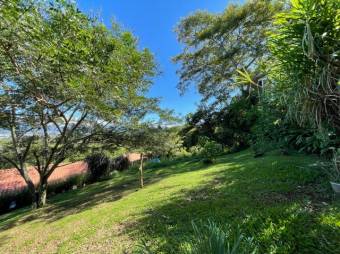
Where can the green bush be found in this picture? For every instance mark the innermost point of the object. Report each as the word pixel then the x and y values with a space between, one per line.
pixel 319 141
pixel 213 239
pixel 229 125
pixel 195 150
pixel 274 131
pixel 209 150
pixel 210 238
pixel 99 166
pixel 304 44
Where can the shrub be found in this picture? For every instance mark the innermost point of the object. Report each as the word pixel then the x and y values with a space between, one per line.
pixel 273 131
pixel 209 150
pixel 120 163
pixel 320 141
pixel 182 153
pixel 304 43
pixel 213 239
pixel 99 166
pixel 209 238
pixel 195 150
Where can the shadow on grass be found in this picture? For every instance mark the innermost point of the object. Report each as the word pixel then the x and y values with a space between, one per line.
pixel 273 199
pixel 76 201
pixel 279 204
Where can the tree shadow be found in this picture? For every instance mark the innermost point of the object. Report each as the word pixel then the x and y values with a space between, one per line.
pixel 76 201
pixel 4 239
pixel 280 206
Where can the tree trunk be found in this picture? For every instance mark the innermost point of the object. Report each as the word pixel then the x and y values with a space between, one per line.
pixel 141 171
pixel 30 185
pixel 41 194
pixel 31 189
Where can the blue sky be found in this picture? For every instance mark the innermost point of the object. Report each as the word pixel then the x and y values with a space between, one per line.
pixel 153 22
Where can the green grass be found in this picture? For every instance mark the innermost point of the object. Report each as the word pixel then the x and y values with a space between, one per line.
pixel 284 202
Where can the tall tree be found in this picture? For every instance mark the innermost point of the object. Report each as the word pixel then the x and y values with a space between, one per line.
pixel 63 76
pixel 229 125
pixel 216 46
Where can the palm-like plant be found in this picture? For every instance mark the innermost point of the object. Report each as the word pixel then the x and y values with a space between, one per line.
pixel 305 45
pixel 211 238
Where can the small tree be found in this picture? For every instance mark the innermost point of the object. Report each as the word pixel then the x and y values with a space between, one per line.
pixel 149 140
pixel 209 149
pixel 63 78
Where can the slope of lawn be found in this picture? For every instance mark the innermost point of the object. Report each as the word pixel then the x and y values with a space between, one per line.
pixel 284 202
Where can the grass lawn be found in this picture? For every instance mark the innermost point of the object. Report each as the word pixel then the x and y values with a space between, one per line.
pixel 284 202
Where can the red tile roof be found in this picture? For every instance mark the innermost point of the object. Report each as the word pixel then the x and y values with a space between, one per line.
pixel 132 157
pixel 11 180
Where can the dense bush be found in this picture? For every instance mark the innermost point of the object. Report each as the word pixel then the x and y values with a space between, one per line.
pixel 210 238
pixel 319 141
pixel 120 163
pixel 273 130
pixel 99 166
pixel 70 183
pixel 304 45
pixel 229 125
pixel 209 150
pixel 213 239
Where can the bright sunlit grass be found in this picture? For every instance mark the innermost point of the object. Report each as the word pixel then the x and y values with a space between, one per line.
pixel 284 202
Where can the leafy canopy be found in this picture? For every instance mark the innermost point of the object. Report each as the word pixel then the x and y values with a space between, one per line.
pixel 53 52
pixel 63 78
pixel 216 46
pixel 305 69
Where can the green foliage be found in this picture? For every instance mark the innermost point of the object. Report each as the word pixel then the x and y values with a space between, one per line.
pixel 213 239
pixel 209 149
pixel 320 141
pixel 195 150
pixel 229 125
pixel 64 78
pixel 305 69
pixel 274 131
pixel 4 145
pixel 284 202
pixel 217 45
pixel 68 56
pixel 266 133
pixel 99 165
pixel 148 138
pixel 22 198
